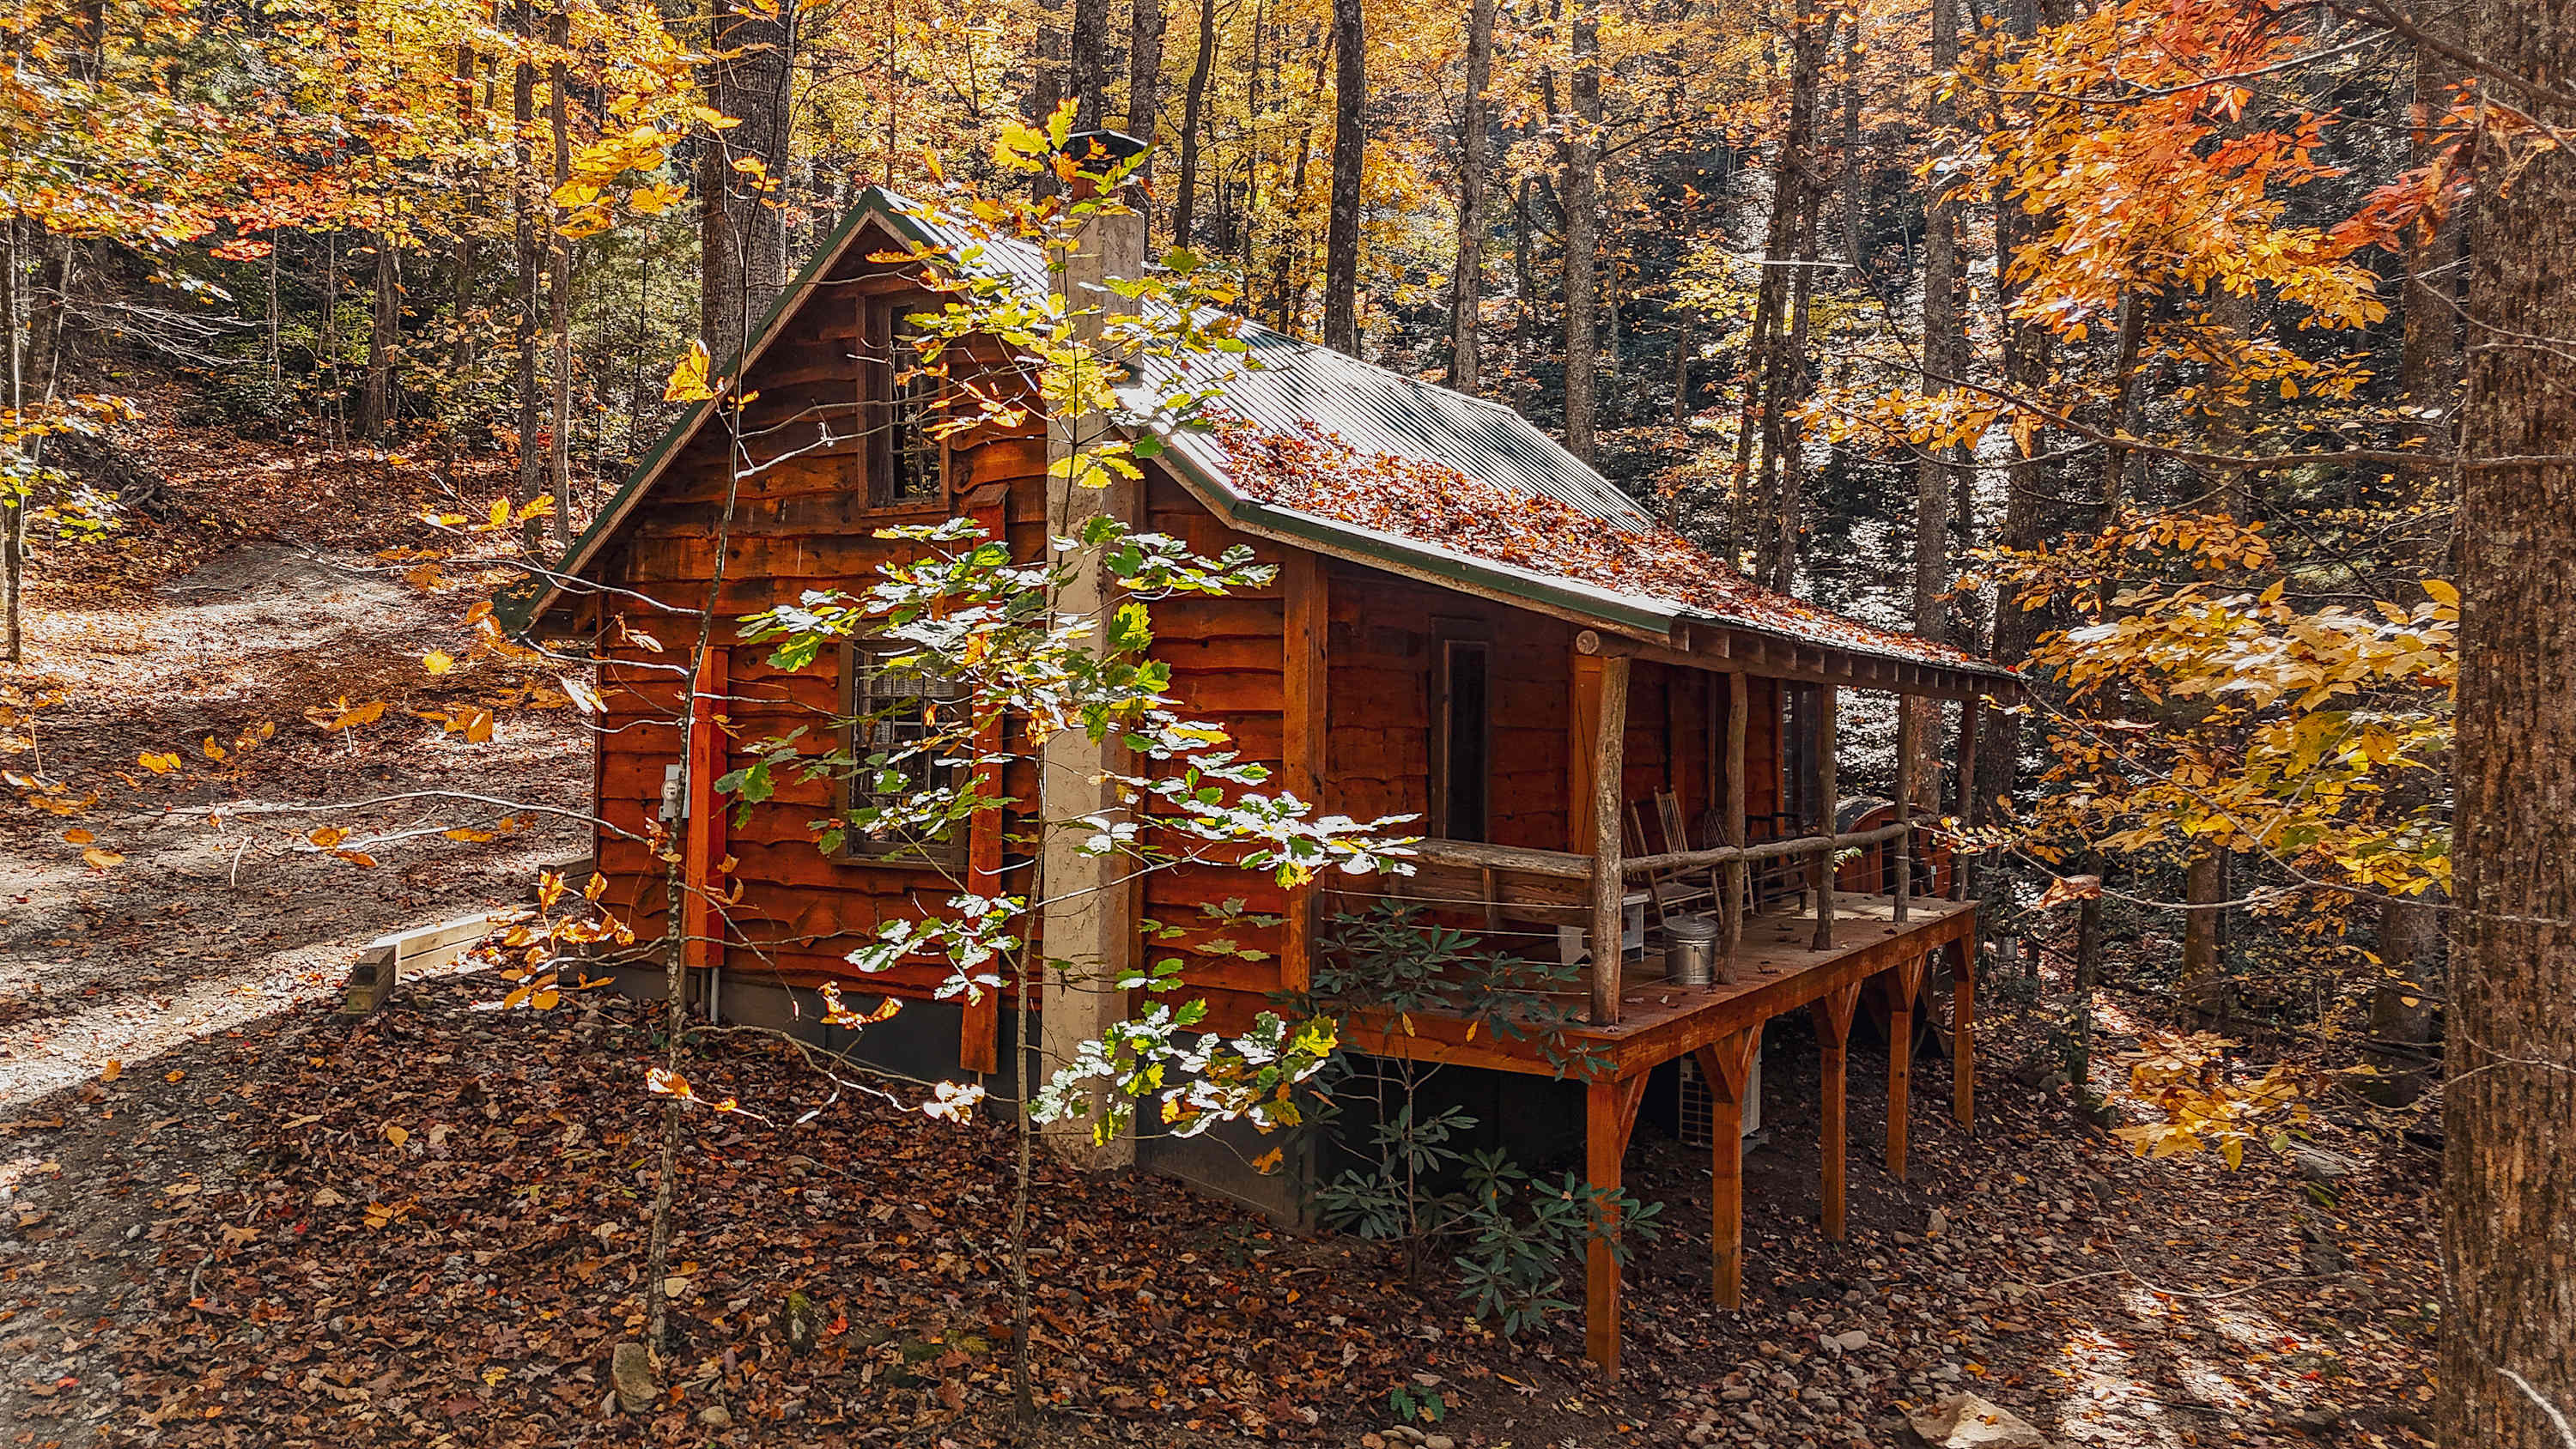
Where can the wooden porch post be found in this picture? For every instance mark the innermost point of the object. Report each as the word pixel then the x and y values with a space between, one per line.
pixel 1903 984
pixel 1828 811
pixel 1833 1013
pixel 1609 1114
pixel 1903 888
pixel 1609 883
pixel 1303 731
pixel 1725 1066
pixel 1735 874
pixel 1963 1030
pixel 703 839
pixel 1967 792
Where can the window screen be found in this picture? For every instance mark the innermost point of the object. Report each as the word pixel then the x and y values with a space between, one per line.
pixel 892 713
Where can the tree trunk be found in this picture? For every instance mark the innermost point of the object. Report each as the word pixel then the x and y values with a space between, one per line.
pixel 524 324
pixel 1945 355
pixel 1090 64
pixel 559 285
pixel 334 389
pixel 1467 278
pixel 1193 102
pixel 1524 278
pixel 1342 228
pixel 1580 152
pixel 2204 884
pixel 2508 1372
pixel 13 508
pixel 742 233
pixel 460 363
pixel 376 410
pixel 2401 1002
pixel 1145 79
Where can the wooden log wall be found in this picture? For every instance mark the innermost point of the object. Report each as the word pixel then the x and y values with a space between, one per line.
pixel 799 519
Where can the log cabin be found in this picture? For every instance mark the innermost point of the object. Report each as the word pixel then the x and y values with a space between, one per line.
pixel 1467 625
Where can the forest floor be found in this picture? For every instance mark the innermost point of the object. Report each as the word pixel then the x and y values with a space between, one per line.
pixel 227 1217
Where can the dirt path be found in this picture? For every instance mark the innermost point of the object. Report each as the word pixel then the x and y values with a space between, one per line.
pixel 120 983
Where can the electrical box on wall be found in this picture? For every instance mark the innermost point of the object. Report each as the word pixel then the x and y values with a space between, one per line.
pixel 675 801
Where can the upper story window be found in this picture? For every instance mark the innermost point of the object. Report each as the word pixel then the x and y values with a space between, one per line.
pixel 907 460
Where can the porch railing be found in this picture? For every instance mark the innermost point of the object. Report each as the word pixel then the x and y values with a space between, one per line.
pixel 1553 886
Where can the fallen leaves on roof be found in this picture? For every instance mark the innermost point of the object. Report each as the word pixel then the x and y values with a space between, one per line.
pixel 1318 472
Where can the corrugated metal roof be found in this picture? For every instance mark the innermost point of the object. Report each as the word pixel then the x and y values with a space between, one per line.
pixel 1291 386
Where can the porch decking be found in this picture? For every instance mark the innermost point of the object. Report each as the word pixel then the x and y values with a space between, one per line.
pixel 1874 959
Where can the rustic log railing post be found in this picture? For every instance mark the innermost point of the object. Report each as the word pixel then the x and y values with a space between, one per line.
pixel 1302 734
pixel 1609 882
pixel 1903 886
pixel 1737 874
pixel 1828 811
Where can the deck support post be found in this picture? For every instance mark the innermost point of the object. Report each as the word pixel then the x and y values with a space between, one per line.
pixel 1828 810
pixel 1303 732
pixel 1609 1115
pixel 1902 888
pixel 1735 875
pixel 1963 1030
pixel 1609 883
pixel 1904 984
pixel 1833 1014
pixel 1726 1065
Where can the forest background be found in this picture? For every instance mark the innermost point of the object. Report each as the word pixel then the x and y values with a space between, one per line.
pixel 2130 344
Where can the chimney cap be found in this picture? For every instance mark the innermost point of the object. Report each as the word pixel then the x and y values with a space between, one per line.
pixel 1102 151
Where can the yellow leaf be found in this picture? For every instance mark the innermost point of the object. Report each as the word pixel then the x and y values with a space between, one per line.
pixel 161 764
pixel 328 836
pixel 689 380
pixel 102 859
pixel 397 1135
pixel 213 751
pixel 2440 592
pixel 500 517
pixel 437 661
pixel 113 1070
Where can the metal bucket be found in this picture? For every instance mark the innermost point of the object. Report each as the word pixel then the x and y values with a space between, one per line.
pixel 1690 950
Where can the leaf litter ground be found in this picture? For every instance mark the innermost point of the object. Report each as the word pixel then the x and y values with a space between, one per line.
pixel 227 1218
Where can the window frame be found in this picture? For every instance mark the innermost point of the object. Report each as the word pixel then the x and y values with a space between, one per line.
pixel 856 707
pixel 880 327
pixel 1448 636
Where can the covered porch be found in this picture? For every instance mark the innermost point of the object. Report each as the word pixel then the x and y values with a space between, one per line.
pixel 1827 917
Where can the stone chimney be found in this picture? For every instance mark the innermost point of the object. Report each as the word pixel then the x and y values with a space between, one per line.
pixel 1089 918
